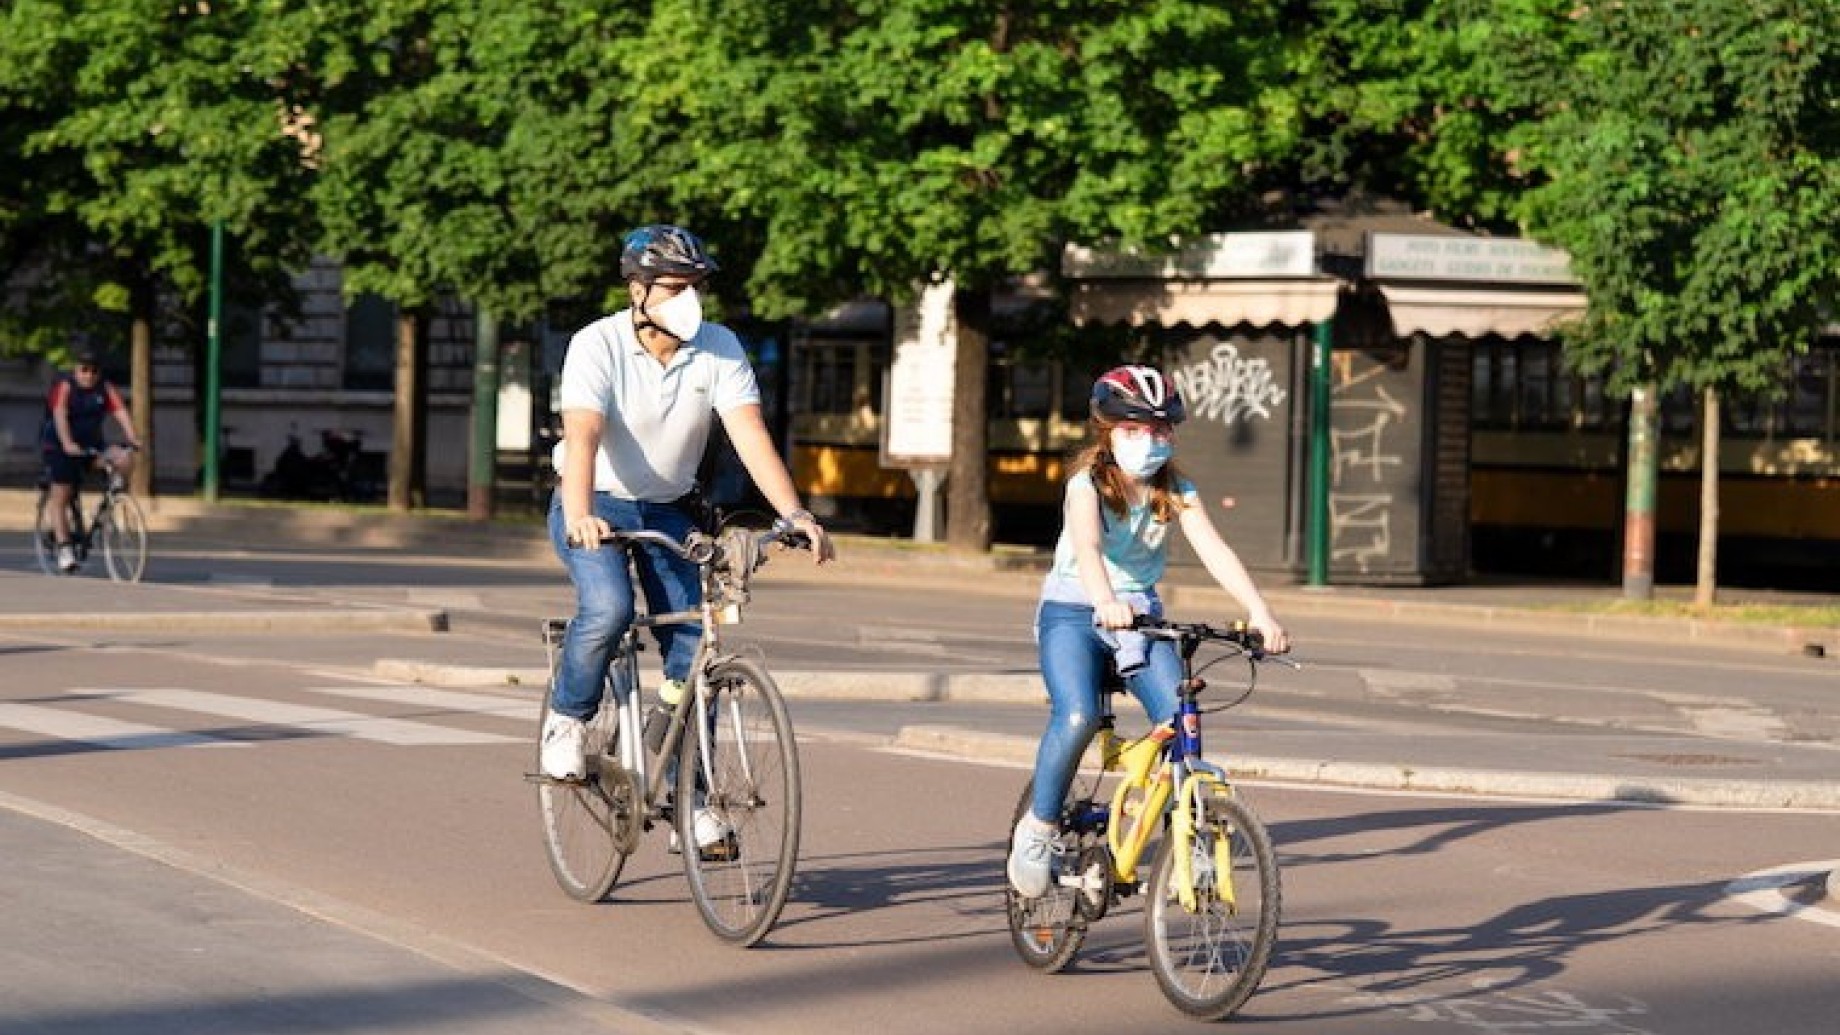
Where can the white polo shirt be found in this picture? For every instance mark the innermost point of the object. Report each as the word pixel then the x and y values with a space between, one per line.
pixel 657 416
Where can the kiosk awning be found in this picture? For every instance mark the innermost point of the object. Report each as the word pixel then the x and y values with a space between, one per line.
pixel 1199 303
pixel 1476 313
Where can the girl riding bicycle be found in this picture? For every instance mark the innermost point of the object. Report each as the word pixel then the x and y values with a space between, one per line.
pixel 1120 500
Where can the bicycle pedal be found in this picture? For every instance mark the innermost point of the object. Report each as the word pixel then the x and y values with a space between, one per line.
pixel 580 781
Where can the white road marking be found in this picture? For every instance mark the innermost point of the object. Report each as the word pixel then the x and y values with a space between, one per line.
pixel 320 720
pixel 1763 891
pixel 445 700
pixel 65 724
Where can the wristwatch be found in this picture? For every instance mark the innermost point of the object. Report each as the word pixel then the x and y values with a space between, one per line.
pixel 800 514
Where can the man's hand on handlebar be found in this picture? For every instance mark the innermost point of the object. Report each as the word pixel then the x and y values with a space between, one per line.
pixel 801 522
pixel 587 531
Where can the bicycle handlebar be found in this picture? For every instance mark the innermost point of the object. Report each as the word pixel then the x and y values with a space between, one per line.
pixel 701 548
pixel 1239 634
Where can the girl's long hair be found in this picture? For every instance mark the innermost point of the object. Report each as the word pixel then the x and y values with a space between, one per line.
pixel 1096 457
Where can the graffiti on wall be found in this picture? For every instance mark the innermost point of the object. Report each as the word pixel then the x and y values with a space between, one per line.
pixel 1364 446
pixel 1227 388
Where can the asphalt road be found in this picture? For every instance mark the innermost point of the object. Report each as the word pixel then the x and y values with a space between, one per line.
pixel 256 831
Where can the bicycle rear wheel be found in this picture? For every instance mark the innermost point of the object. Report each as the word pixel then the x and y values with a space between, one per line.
pixel 585 824
pixel 1211 959
pixel 1047 932
pixel 740 770
pixel 122 531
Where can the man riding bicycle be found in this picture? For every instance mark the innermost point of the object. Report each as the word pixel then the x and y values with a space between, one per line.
pixel 71 439
pixel 640 392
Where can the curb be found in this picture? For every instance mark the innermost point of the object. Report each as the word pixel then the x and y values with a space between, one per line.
pixel 994 747
pixel 235 621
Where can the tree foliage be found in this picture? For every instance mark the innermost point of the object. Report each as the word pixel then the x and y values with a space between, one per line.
pixel 1691 153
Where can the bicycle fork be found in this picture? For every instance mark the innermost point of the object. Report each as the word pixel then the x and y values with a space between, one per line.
pixel 1190 805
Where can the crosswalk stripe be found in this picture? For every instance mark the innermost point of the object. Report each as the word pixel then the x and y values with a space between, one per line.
pixel 524 711
pixel 96 729
pixel 322 720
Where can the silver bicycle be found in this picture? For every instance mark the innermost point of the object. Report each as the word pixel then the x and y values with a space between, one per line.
pixel 737 764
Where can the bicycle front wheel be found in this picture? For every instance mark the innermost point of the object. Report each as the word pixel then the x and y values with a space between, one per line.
pixel 583 822
pixel 739 769
pixel 1210 959
pixel 122 531
pixel 44 538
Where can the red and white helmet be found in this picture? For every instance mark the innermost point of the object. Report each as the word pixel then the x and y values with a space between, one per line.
pixel 1137 393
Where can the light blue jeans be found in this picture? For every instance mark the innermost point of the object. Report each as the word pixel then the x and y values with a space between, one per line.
pixel 1074 659
pixel 604 601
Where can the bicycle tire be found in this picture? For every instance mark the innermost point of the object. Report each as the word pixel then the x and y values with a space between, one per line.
pixel 740 885
pixel 582 821
pixel 122 528
pixel 1048 932
pixel 1211 960
pixel 44 539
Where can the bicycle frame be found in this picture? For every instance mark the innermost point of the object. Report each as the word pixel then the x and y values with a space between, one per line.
pixel 1166 762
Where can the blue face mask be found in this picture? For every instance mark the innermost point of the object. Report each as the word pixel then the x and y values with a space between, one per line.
pixel 1140 456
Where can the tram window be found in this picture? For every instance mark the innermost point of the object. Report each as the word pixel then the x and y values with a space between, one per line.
pixel 826 379
pixel 1536 381
pixel 1807 403
pixel 1481 384
pixel 1028 391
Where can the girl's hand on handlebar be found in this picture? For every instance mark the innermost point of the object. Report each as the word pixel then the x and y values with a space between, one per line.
pixel 1277 641
pixel 1114 614
pixel 587 531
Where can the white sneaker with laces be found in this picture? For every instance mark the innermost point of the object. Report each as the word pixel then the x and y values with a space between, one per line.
pixel 564 739
pixel 1031 856
pixel 66 557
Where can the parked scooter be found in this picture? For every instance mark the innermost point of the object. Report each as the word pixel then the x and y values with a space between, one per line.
pixel 326 475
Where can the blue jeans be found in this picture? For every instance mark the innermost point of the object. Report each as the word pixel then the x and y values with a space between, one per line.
pixel 604 603
pixel 1074 658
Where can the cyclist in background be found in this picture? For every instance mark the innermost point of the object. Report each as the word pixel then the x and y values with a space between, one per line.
pixel 76 409
pixel 640 391
pixel 1120 500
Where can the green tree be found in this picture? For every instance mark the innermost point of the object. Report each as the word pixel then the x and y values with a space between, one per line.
pixel 1692 158
pixel 468 151
pixel 877 144
pixel 148 126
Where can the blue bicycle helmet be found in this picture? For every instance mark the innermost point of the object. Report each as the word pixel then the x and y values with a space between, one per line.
pixel 663 250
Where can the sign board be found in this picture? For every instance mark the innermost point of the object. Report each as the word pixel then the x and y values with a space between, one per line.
pixel 1495 260
pixel 1251 256
pixel 917 403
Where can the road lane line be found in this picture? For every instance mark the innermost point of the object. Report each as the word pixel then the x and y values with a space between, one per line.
pixel 523 710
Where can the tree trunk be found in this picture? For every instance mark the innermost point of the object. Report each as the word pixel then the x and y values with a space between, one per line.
pixel 1706 587
pixel 407 449
pixel 1639 504
pixel 140 383
pixel 968 481
pixel 482 468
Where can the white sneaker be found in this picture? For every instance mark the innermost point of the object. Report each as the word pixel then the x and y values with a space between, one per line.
pixel 714 838
pixel 66 557
pixel 564 739
pixel 1031 857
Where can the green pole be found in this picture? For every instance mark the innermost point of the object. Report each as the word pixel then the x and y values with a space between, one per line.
pixel 213 358
pixel 1318 521
pixel 482 469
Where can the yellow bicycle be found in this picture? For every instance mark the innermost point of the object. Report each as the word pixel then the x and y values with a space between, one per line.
pixel 1212 899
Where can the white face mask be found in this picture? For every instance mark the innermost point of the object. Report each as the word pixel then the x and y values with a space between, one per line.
pixel 680 316
pixel 1140 456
